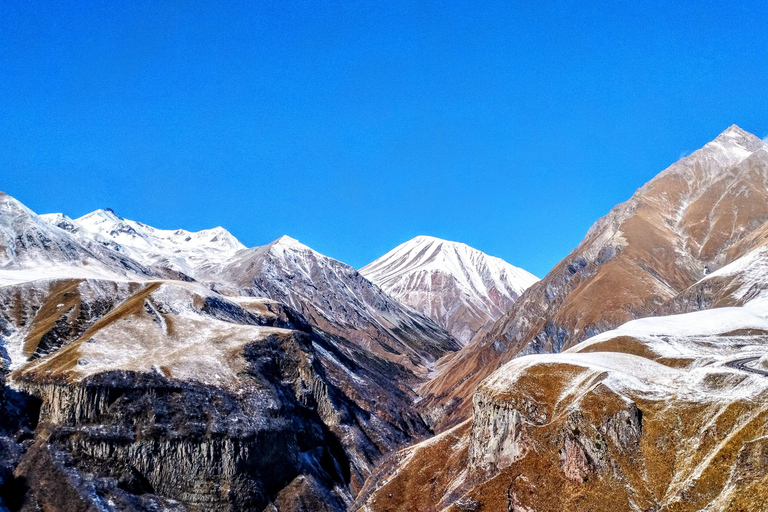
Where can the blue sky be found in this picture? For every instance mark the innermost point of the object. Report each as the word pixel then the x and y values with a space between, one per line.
pixel 354 126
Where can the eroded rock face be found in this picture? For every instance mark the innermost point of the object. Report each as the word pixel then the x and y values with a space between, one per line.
pixel 206 447
pixel 505 428
pixel 654 422
pixel 168 391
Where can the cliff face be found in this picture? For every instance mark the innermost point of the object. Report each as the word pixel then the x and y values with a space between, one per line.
pixel 207 448
pixel 164 390
pixel 653 416
pixel 671 233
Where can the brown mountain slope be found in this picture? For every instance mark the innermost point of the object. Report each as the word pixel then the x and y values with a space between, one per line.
pixel 667 236
pixel 655 415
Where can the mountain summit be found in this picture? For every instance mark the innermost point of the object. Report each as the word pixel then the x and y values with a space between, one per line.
pixel 460 288
pixel 178 250
pixel 673 231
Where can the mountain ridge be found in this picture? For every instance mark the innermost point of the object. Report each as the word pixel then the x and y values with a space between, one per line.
pixel 458 286
pixel 643 253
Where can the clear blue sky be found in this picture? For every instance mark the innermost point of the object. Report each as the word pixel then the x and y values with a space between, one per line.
pixel 354 126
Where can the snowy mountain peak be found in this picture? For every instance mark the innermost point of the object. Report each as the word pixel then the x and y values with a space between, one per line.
pixel 287 241
pixel 61 221
pixel 742 137
pixel 179 250
pixel 101 216
pixel 136 234
pixel 459 287
pixel 734 144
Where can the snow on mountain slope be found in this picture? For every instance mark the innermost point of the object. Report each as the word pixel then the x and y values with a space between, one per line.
pixel 30 248
pixel 180 250
pixel 338 299
pixel 460 288
pixel 662 413
pixel 672 232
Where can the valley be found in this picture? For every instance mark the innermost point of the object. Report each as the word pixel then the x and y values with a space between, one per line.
pixel 148 369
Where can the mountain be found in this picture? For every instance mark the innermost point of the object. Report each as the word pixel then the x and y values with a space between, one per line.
pixel 117 370
pixel 331 295
pixel 160 390
pixel 460 288
pixel 663 413
pixel 672 232
pixel 338 300
pixel 29 246
pixel 178 250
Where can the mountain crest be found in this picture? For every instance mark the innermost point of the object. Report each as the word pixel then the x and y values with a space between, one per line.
pixel 737 136
pixel 457 286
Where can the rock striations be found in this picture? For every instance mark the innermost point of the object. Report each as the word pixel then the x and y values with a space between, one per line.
pixel 460 288
pixel 671 233
pixel 149 370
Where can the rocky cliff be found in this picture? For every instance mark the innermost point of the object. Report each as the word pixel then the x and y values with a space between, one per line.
pixel 653 416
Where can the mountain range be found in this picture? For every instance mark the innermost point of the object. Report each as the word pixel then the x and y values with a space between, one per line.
pixel 150 369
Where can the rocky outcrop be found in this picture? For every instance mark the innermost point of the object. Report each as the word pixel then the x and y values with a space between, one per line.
pixel 652 420
pixel 206 447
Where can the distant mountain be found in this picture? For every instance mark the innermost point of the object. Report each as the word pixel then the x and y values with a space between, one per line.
pixel 671 233
pixel 178 250
pixel 339 300
pixel 460 288
pixel 29 244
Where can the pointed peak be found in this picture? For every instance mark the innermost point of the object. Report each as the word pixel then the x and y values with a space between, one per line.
pixel 428 240
pixel 61 221
pixel 287 241
pixel 103 214
pixel 734 136
pixel 442 244
pixel 425 239
pixel 735 130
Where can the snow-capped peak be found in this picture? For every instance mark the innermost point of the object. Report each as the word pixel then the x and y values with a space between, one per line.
pixel 179 249
pixel 141 236
pixel 734 145
pixel 456 285
pixel 287 241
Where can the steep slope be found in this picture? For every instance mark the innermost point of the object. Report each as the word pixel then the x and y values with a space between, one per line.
pixel 667 236
pixel 179 250
pixel 338 300
pixel 133 369
pixel 660 414
pixel 138 378
pixel 31 245
pixel 460 288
